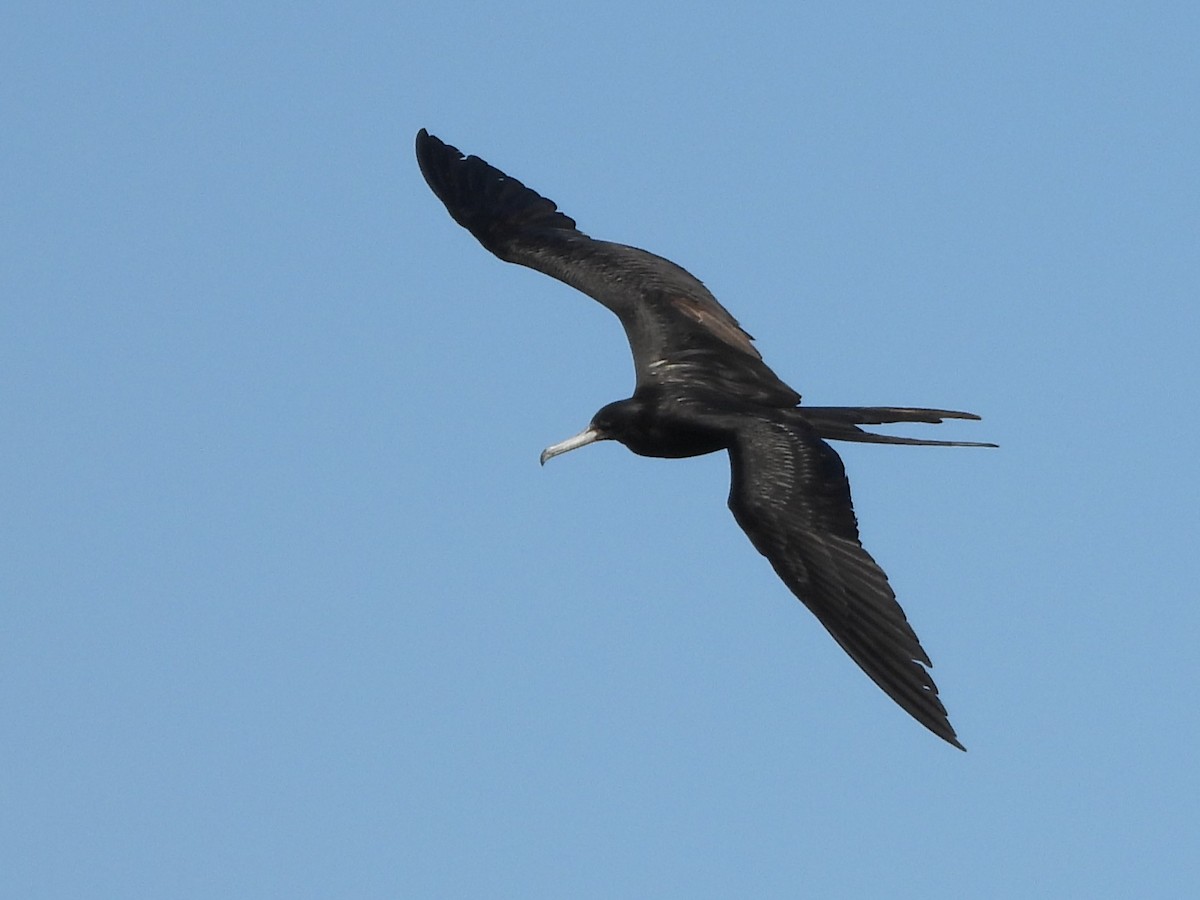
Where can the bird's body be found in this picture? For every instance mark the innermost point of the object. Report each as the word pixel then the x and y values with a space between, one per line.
pixel 702 387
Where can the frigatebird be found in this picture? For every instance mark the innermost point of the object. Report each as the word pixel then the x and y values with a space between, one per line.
pixel 702 386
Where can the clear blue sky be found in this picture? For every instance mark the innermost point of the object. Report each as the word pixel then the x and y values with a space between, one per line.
pixel 289 608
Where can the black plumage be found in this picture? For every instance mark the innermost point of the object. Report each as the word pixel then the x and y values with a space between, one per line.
pixel 701 387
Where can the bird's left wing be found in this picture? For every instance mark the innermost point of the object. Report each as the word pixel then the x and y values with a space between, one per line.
pixel 791 496
pixel 675 327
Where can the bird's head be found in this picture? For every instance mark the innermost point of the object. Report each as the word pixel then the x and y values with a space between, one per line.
pixel 619 421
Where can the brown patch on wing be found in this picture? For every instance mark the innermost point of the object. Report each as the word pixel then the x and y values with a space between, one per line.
pixel 717 322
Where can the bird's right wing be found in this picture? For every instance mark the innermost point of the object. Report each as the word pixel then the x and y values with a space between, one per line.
pixel 791 497
pixel 676 328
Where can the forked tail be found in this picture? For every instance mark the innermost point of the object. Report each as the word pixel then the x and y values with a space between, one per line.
pixel 840 423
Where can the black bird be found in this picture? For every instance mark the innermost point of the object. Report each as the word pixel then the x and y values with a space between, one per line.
pixel 702 387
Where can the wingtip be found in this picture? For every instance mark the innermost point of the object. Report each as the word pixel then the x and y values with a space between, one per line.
pixel 432 151
pixel 495 207
pixel 427 145
pixel 938 724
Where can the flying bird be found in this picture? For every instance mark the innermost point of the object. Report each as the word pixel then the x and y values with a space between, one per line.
pixel 702 386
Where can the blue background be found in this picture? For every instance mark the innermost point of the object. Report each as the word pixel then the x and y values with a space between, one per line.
pixel 290 609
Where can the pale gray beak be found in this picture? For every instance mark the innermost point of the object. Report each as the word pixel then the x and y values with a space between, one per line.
pixel 589 435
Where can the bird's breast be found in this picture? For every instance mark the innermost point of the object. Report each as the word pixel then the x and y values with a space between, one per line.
pixel 674 431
